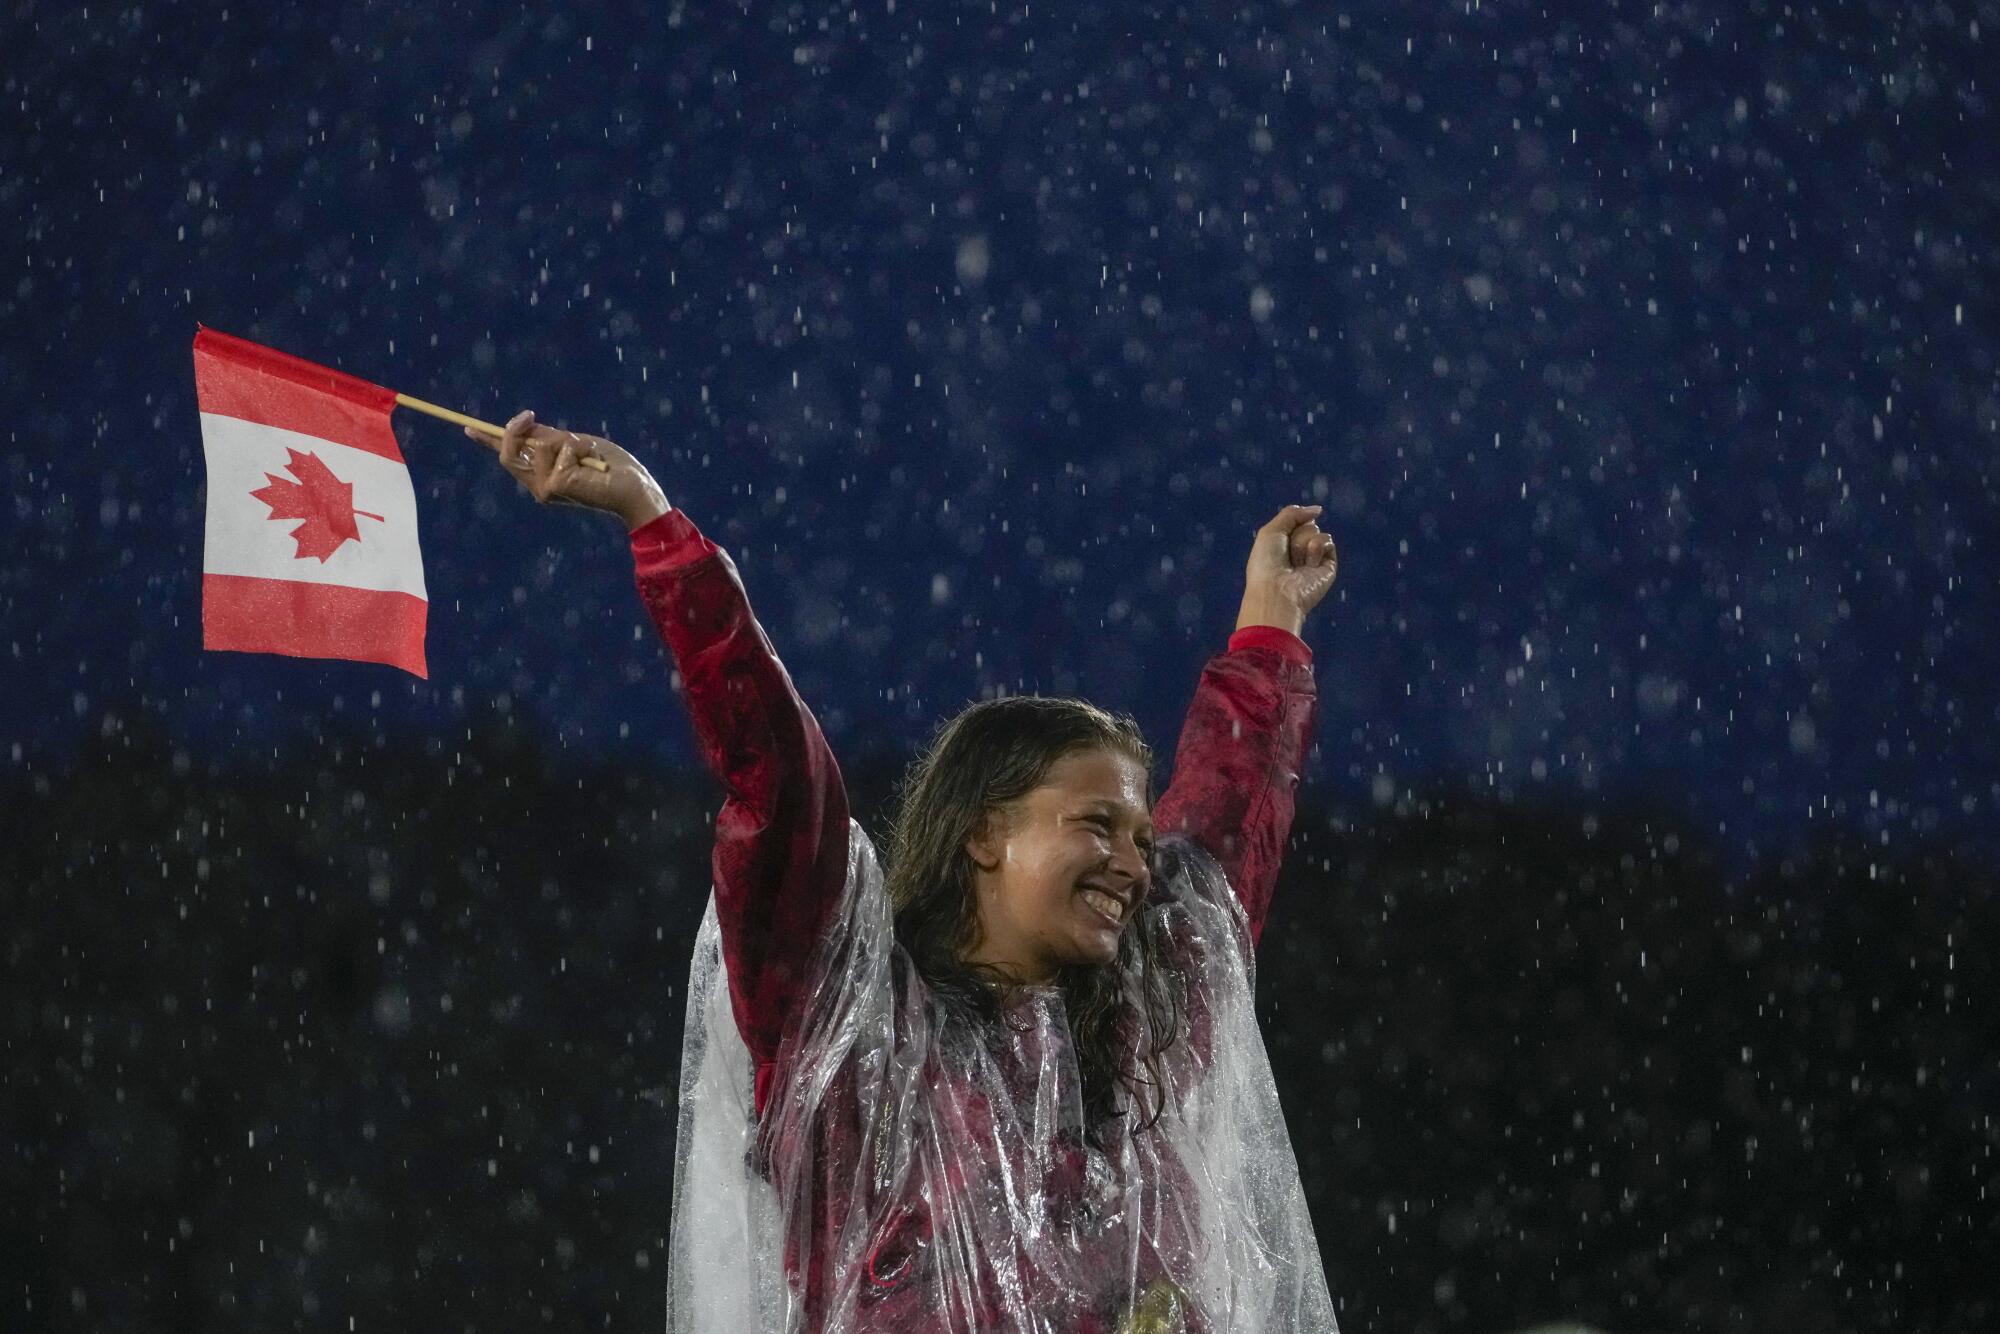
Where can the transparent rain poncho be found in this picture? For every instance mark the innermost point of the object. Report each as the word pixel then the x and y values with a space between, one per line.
pixel 916 1170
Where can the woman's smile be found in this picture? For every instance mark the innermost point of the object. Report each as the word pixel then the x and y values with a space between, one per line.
pixel 1104 906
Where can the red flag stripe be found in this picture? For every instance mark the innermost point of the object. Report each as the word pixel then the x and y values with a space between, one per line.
pixel 304 620
pixel 234 377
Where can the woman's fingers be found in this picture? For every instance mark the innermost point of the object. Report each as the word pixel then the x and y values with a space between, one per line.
pixel 527 450
pixel 557 476
pixel 561 466
pixel 580 473
pixel 1316 561
pixel 1307 541
pixel 1277 546
pixel 1292 565
pixel 1291 516
pixel 564 467
pixel 569 480
pixel 516 441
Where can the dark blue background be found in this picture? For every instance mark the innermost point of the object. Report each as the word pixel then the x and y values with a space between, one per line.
pixel 1645 363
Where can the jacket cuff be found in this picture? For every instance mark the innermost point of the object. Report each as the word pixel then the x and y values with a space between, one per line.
pixel 667 543
pixel 1283 642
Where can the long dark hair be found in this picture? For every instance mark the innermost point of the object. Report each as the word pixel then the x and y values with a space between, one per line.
pixel 989 756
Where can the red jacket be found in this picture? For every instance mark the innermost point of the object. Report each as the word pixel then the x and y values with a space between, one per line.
pixel 780 859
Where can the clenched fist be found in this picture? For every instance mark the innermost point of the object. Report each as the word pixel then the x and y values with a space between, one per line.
pixel 1292 565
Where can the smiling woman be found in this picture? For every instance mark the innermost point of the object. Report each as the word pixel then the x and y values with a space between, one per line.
pixel 1058 872
pixel 1021 852
pixel 1016 1084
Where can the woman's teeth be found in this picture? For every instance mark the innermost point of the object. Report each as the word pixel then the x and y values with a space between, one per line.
pixel 1105 904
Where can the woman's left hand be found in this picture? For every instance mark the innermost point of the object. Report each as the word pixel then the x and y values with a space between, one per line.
pixel 1292 565
pixel 561 467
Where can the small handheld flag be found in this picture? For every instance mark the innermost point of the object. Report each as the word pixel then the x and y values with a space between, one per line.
pixel 311 540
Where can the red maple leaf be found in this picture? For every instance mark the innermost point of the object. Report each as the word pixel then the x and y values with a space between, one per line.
pixel 324 501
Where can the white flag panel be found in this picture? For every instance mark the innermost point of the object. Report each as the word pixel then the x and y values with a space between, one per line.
pixel 244 539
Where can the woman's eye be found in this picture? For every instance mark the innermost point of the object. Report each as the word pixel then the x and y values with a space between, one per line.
pixel 1104 826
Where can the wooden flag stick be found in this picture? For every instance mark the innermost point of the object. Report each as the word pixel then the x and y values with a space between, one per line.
pixel 446 414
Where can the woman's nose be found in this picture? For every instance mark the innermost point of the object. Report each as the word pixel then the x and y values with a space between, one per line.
pixel 1131 859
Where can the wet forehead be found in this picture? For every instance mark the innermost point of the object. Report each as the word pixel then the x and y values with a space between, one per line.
pixel 1099 778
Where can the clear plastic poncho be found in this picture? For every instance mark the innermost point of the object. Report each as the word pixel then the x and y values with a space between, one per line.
pixel 920 1171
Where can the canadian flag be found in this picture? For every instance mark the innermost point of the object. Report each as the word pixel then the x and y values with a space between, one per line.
pixel 311 545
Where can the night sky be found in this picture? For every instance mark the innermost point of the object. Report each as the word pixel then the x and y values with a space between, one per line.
pixel 1645 364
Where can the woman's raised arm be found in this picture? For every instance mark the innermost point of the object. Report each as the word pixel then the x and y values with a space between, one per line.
pixel 1236 769
pixel 780 858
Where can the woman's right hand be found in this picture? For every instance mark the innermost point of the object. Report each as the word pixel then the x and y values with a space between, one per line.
pixel 549 462
pixel 1292 565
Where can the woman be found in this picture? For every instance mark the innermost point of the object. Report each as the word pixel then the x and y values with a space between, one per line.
pixel 1015 1083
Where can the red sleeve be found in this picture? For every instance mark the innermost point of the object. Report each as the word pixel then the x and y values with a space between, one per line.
pixel 781 837
pixel 1236 770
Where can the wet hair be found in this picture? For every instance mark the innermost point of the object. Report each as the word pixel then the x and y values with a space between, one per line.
pixel 977 764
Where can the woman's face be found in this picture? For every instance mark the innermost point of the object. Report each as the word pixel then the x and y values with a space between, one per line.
pixel 1060 872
